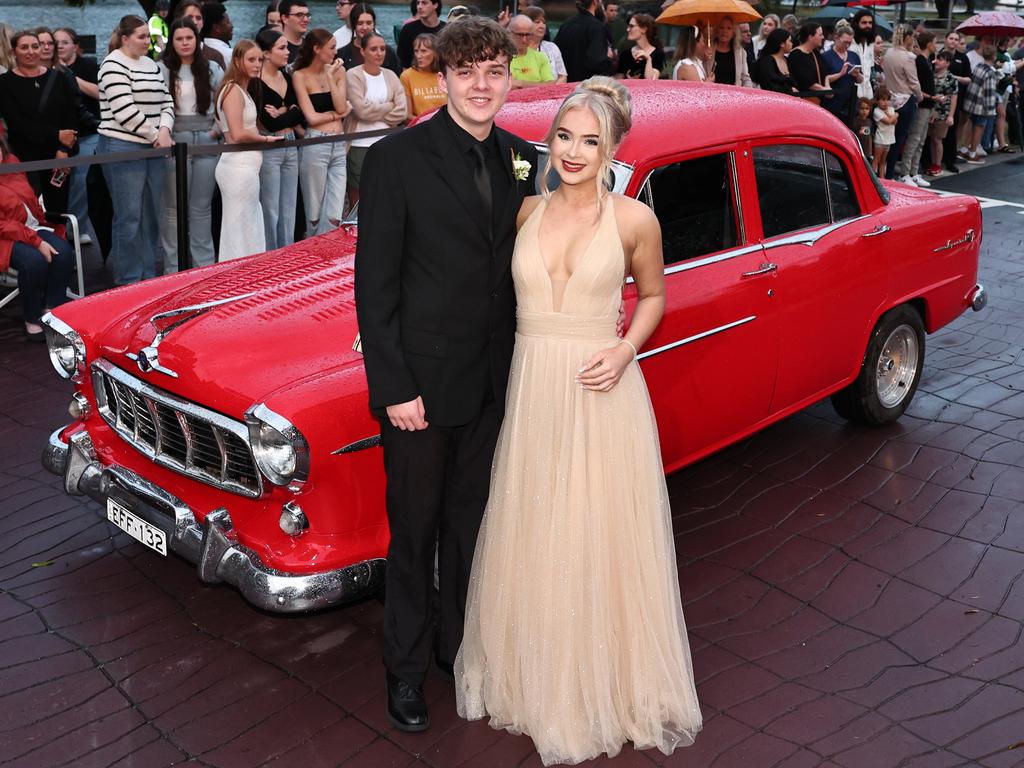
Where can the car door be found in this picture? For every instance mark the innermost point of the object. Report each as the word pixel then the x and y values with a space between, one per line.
pixel 711 363
pixel 831 277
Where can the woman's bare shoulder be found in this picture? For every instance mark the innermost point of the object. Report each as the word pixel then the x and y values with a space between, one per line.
pixel 527 208
pixel 633 216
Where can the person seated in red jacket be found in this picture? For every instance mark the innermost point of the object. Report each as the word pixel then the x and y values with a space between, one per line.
pixel 33 247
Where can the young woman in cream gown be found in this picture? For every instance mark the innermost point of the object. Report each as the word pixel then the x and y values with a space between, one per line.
pixel 574 625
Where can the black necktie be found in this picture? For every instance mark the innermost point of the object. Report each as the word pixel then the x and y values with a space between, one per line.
pixel 482 179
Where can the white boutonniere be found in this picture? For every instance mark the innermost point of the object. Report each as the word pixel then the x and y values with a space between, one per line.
pixel 520 168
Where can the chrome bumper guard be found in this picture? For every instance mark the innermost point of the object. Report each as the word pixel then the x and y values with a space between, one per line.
pixel 210 544
pixel 979 298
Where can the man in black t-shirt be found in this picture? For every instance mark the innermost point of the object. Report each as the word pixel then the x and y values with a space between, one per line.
pixel 427 21
pixel 294 23
pixel 960 68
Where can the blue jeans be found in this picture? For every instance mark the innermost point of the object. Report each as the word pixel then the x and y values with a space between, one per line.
pixel 42 284
pixel 906 115
pixel 988 136
pixel 279 184
pixel 78 201
pixel 200 195
pixel 135 187
pixel 322 173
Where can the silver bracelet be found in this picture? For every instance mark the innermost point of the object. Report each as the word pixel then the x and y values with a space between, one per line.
pixel 627 341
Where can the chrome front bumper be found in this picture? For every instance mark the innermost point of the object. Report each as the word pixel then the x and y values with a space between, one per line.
pixel 211 544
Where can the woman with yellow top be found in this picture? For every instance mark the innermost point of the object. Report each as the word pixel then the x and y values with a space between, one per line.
pixel 420 80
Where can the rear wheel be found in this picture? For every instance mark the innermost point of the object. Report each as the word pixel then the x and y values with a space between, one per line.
pixel 890 373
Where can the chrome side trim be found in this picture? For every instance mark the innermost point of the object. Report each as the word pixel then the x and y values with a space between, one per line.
pixel 359 445
pixel 695 337
pixel 180 408
pixel 211 545
pixel 686 266
pixel 813 236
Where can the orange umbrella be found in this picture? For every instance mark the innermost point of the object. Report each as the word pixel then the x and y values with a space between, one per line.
pixel 692 13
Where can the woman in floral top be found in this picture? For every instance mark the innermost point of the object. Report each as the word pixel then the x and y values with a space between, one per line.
pixel 946 87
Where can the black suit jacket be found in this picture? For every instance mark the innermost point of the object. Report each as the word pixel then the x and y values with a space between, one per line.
pixel 434 292
pixel 583 41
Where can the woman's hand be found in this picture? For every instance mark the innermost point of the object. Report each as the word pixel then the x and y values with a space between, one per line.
pixel 336 70
pixel 67 137
pixel 47 251
pixel 163 139
pixel 602 371
pixel 275 111
pixel 61 154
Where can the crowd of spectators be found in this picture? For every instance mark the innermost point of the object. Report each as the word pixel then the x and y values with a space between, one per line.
pixel 916 104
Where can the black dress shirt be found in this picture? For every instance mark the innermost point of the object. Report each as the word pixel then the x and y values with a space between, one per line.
pixel 497 167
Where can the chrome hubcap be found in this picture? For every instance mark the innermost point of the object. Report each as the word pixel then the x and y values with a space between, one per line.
pixel 897 366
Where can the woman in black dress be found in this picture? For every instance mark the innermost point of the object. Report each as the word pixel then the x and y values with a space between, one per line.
pixel 643 58
pixel 41 112
pixel 772 66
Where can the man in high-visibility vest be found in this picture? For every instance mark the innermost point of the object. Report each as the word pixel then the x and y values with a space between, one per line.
pixel 158 28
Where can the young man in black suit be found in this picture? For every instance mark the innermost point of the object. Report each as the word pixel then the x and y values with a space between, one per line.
pixel 436 309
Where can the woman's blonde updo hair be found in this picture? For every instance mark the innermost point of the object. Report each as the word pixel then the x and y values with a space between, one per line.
pixel 609 101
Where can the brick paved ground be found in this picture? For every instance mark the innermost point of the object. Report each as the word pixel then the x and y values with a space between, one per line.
pixel 854 596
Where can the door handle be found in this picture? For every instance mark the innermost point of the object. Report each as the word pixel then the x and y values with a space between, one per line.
pixel 764 270
pixel 881 229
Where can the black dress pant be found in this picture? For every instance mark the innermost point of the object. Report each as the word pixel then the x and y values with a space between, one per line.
pixel 438 480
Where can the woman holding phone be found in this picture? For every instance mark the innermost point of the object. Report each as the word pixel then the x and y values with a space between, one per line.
pixel 844 87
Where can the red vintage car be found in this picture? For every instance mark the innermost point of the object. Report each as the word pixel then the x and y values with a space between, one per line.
pixel 221 413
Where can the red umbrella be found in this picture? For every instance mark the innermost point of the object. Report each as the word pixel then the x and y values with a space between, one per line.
pixel 994 23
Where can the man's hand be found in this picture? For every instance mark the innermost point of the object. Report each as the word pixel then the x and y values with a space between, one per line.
pixel 408 416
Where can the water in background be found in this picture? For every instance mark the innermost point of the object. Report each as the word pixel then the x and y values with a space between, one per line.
pixel 101 18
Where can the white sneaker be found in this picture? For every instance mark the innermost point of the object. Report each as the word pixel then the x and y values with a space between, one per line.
pixel 963 150
pixel 85 240
pixel 981 151
pixel 921 181
pixel 909 180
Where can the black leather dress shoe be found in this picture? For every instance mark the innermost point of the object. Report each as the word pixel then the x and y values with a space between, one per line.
pixel 952 169
pixel 407 709
pixel 36 337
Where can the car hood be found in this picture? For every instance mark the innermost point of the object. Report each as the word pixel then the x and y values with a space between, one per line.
pixel 285 316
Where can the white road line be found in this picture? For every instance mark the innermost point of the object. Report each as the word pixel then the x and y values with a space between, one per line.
pixel 986 202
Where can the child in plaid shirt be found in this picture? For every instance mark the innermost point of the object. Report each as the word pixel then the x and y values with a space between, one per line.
pixel 981 100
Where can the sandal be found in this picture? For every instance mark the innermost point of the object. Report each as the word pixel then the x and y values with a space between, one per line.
pixel 1006 149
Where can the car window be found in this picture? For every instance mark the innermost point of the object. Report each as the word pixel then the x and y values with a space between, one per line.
pixel 790 188
pixel 840 189
pixel 695 202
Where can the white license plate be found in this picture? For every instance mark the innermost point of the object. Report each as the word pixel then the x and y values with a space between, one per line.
pixel 137 528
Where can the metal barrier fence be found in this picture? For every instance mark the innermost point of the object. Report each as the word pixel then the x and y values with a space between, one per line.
pixel 181 152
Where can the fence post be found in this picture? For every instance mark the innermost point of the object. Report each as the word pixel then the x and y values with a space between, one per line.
pixel 181 203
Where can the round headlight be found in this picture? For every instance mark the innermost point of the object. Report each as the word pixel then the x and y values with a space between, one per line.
pixel 67 352
pixel 274 453
pixel 279 449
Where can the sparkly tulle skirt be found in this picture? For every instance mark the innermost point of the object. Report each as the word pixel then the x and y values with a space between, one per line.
pixel 574 625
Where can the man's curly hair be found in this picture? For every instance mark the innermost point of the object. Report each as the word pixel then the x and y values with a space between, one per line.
pixel 472 39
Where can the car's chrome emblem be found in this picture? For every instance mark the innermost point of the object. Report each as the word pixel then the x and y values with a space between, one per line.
pixel 148 358
pixel 950 244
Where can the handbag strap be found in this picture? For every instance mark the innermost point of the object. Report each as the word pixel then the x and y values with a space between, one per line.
pixel 47 90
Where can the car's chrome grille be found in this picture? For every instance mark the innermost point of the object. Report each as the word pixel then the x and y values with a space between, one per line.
pixel 175 433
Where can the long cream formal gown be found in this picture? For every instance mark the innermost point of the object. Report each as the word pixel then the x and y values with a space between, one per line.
pixel 574 623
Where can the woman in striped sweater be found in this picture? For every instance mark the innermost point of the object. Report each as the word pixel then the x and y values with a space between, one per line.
pixel 136 112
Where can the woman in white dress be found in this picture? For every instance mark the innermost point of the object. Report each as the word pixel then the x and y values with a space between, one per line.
pixel 574 627
pixel 694 59
pixel 238 173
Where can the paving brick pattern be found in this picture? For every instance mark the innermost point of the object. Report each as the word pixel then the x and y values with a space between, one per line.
pixel 854 599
